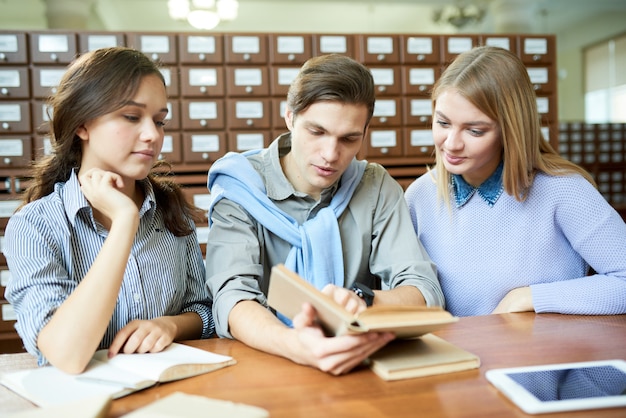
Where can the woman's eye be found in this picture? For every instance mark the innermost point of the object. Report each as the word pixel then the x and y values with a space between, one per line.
pixel 443 124
pixel 475 132
pixel 131 118
pixel 161 123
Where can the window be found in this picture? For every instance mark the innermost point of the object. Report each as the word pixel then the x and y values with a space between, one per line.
pixel 605 81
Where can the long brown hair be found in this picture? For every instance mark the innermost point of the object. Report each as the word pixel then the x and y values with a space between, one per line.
pixel 496 81
pixel 97 83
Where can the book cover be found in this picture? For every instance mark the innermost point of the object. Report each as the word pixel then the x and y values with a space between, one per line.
pixel 424 356
pixel 115 377
pixel 92 407
pixel 180 404
pixel 288 291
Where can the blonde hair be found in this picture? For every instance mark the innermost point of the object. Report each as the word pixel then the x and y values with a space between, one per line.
pixel 496 81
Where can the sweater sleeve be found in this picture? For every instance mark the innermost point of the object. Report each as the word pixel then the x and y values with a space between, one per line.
pixel 598 234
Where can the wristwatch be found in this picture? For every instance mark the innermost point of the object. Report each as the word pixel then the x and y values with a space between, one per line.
pixel 363 292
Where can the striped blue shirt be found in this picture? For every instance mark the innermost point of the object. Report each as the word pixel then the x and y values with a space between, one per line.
pixel 51 243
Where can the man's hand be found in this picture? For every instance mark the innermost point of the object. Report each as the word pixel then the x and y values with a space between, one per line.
pixel 346 298
pixel 335 355
pixel 305 343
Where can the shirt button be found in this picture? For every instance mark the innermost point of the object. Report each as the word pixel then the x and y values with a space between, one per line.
pixel 136 297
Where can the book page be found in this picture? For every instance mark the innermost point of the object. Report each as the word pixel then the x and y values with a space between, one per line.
pixel 175 358
pixel 104 372
pixel 48 386
pixel 400 309
pixel 405 321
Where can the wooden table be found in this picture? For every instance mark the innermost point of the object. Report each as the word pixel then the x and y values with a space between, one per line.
pixel 290 390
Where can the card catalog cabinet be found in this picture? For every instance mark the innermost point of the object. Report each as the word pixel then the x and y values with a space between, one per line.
pixel 13 48
pixel 290 49
pixel 601 150
pixel 9 340
pixel 227 92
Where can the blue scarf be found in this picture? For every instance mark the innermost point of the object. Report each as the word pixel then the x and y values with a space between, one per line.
pixel 316 252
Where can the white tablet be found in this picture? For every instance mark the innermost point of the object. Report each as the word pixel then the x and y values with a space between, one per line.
pixel 563 387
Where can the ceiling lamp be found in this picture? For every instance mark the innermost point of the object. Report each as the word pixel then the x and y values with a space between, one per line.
pixel 459 15
pixel 203 14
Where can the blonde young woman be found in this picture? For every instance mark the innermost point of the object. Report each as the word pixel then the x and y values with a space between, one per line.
pixel 510 224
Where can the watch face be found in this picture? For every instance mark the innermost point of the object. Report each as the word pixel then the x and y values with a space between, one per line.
pixel 364 293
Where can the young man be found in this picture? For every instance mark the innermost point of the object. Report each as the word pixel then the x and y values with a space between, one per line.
pixel 306 201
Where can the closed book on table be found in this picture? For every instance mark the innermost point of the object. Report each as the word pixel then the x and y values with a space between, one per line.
pixel 424 356
pixel 179 404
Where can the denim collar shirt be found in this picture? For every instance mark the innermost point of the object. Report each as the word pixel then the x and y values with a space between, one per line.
pixel 490 190
pixel 51 243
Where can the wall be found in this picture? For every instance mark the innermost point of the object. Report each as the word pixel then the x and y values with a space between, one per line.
pixel 344 16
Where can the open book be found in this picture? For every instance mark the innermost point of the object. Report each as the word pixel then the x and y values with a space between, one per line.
pixel 288 291
pixel 424 356
pixel 415 353
pixel 115 377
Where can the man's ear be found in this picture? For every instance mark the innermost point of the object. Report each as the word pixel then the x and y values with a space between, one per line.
pixel 289 118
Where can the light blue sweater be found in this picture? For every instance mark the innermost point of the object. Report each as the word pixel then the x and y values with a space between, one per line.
pixel 547 242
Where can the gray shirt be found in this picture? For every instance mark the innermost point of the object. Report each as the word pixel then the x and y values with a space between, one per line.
pixel 380 247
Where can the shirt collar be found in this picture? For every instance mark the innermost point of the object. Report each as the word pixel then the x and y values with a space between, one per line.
pixel 490 190
pixel 73 197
